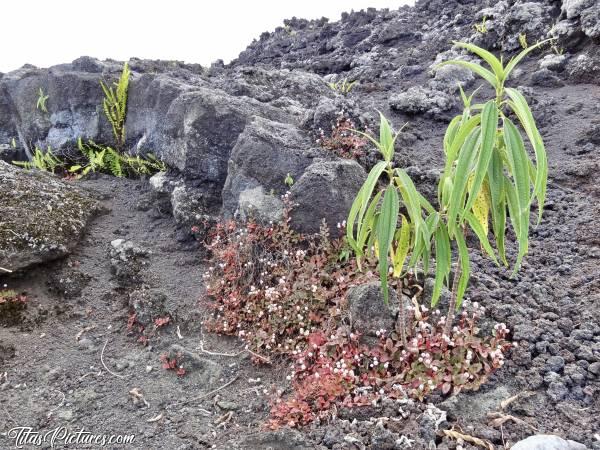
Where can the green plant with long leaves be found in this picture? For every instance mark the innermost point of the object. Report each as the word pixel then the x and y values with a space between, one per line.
pixel 372 225
pixel 42 160
pixel 114 105
pixel 488 172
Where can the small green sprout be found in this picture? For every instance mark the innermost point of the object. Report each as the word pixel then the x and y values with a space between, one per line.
pixel 289 181
pixel 482 26
pixel 523 40
pixel 41 101
pixel 343 86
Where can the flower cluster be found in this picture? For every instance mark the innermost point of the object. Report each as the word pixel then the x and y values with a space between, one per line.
pixel 272 287
pixel 339 369
pixel 343 141
pixel 285 294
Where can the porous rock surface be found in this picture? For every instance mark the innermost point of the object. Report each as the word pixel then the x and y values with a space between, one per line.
pixel 41 217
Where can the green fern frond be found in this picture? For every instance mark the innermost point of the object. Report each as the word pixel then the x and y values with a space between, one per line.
pixel 114 104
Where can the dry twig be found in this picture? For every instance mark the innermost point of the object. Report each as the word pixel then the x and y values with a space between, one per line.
pixel 104 365
pixel 499 419
pixel 230 355
pixel 155 419
pixel 85 330
pixel 508 401
pixel 62 402
pixel 468 438
pixel 211 393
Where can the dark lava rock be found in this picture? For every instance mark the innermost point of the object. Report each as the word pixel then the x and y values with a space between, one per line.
pixel 325 191
pixel 555 364
pixel 368 312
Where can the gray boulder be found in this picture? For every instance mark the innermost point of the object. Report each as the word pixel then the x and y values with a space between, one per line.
pixel 325 191
pixel 42 217
pixel 260 206
pixel 448 78
pixel 419 100
pixel 198 133
pixel 368 311
pixel 473 406
pixel 573 8
pixel 188 205
pixel 547 442
pixel 262 157
pixel 583 68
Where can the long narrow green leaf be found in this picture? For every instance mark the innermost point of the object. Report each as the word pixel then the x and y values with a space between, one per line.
pixel 367 226
pixel 385 233
pixel 359 206
pixel 412 199
pixel 443 261
pixel 517 59
pixel 521 108
pixel 461 136
pixel 451 132
pixel 489 125
pixel 489 58
pixel 403 238
pixel 480 232
pixel 465 160
pixel 498 206
pixel 463 255
pixel 369 137
pixel 520 171
pixel 385 138
pixel 473 67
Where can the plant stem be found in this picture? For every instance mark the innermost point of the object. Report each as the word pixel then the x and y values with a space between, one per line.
pixel 402 319
pixel 452 306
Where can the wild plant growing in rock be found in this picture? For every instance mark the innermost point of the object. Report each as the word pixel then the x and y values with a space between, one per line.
pixel 101 158
pixel 343 86
pixel 285 294
pixel 481 27
pixel 41 101
pixel 42 160
pixel 372 225
pixel 487 173
pixel 343 141
pixel 338 369
pixel 114 104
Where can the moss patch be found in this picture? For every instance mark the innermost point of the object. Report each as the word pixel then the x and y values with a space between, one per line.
pixel 41 217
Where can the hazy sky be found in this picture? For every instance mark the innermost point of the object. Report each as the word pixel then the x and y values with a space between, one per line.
pixel 47 32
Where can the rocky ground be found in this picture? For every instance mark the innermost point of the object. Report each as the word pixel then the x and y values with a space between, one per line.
pixel 230 135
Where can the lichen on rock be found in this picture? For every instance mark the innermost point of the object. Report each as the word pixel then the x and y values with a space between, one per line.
pixel 42 217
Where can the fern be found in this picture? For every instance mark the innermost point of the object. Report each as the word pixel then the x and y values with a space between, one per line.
pixel 114 162
pixel 41 160
pixel 106 159
pixel 115 105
